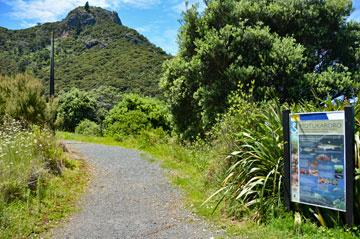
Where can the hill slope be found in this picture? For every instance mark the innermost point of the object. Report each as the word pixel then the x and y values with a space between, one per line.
pixel 92 48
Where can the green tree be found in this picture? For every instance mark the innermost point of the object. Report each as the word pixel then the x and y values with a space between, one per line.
pixel 106 98
pixel 134 114
pixel 87 7
pixel 74 107
pixel 198 89
pixel 273 46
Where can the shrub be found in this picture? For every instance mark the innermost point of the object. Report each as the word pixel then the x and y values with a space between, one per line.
pixel 75 106
pixel 134 114
pixel 149 138
pixel 106 98
pixel 21 98
pixel 87 127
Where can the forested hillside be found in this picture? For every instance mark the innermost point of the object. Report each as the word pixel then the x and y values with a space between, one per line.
pixel 93 49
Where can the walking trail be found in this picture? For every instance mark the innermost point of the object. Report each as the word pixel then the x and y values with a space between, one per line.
pixel 129 197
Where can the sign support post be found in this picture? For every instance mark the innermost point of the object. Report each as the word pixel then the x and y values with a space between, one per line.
pixel 286 133
pixel 349 152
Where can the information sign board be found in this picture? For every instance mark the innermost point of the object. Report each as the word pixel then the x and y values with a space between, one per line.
pixel 318 159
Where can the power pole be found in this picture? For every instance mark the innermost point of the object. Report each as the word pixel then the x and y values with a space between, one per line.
pixel 52 66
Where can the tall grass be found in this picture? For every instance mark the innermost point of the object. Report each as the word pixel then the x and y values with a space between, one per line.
pixel 32 167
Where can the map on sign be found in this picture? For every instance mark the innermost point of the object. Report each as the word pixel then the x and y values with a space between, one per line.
pixel 317 162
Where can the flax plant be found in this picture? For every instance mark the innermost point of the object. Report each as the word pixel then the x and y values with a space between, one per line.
pixel 253 180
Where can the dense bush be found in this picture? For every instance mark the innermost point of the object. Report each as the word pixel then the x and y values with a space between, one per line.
pixel 134 114
pixel 21 97
pixel 75 106
pixel 89 128
pixel 106 98
pixel 287 48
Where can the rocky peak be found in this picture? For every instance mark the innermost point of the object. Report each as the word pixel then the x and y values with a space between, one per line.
pixel 80 17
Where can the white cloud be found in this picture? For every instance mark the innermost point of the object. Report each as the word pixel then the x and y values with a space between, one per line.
pixel 53 10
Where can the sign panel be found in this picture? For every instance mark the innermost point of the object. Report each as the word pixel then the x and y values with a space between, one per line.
pixel 317 159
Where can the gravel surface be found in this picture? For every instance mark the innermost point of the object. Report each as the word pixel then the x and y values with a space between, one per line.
pixel 129 197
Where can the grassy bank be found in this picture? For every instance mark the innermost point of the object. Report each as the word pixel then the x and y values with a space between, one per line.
pixel 188 169
pixel 30 218
pixel 39 183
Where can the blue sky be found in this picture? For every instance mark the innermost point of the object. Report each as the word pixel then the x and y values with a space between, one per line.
pixel 158 20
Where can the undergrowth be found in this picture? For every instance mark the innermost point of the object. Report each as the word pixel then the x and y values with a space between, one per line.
pixel 39 184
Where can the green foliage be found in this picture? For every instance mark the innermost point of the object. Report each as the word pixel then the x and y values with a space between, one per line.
pixel 100 52
pixel 106 98
pixel 27 160
pixel 331 83
pixel 75 106
pixel 286 48
pixel 134 114
pixel 51 112
pixel 36 187
pixel 21 98
pixel 89 128
pixel 203 84
pixel 320 26
pixel 87 7
pixel 253 179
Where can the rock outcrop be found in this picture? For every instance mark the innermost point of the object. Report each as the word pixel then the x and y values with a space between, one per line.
pixel 79 17
pixel 94 43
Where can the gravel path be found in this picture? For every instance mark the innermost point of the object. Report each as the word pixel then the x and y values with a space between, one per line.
pixel 129 197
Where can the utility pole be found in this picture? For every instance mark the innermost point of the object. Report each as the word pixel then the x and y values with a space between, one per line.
pixel 52 66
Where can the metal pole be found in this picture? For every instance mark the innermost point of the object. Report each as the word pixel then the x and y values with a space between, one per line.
pixel 52 66
pixel 286 134
pixel 349 155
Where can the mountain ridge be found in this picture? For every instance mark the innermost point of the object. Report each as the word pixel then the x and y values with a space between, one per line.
pixel 93 48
